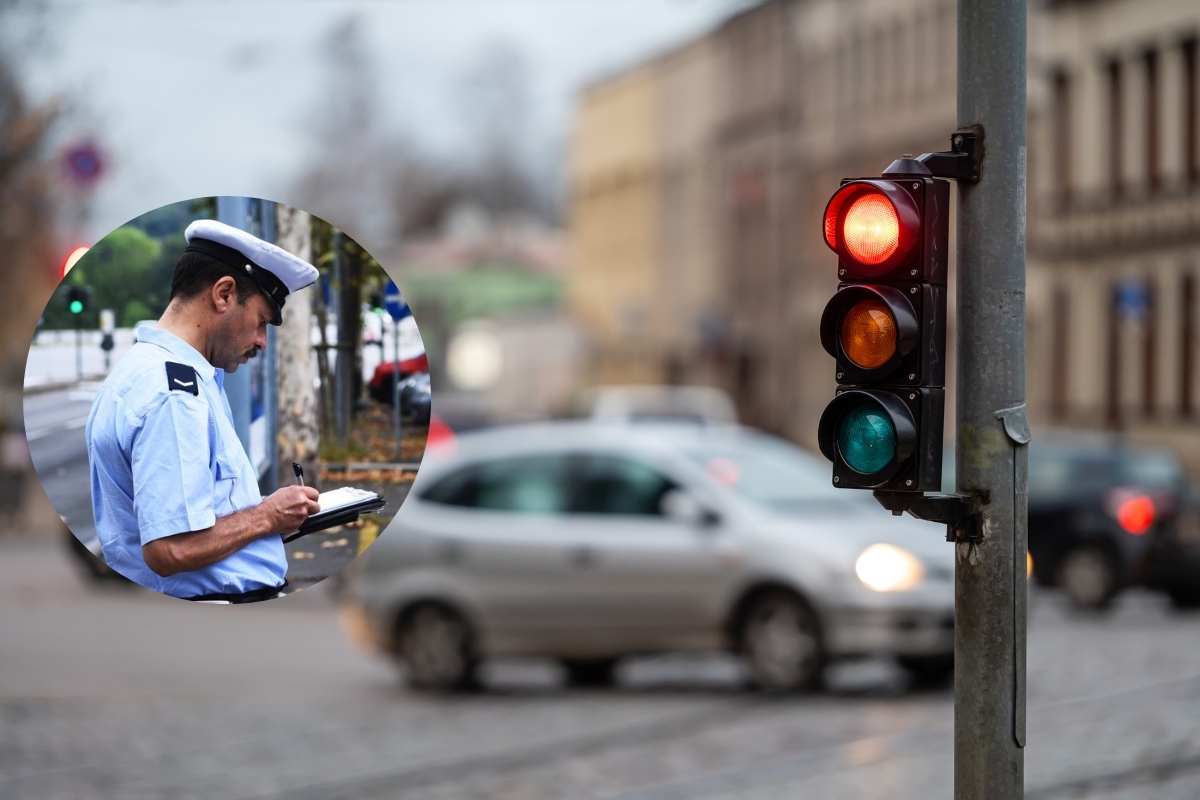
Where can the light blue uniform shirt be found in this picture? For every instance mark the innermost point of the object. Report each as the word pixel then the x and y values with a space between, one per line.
pixel 167 461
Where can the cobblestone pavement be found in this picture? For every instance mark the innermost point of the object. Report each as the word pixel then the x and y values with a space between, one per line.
pixel 124 693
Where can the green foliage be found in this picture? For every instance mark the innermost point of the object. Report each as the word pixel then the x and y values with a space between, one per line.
pixel 123 266
pixel 482 291
pixel 135 311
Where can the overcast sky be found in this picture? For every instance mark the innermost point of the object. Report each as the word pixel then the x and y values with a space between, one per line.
pixel 200 98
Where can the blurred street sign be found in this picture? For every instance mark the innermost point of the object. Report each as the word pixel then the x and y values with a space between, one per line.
pixel 1132 299
pixel 394 302
pixel 83 163
pixel 108 320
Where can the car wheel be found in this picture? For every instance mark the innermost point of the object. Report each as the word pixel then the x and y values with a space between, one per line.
pixel 1088 575
pixel 436 647
pixel 928 672
pixel 590 673
pixel 780 639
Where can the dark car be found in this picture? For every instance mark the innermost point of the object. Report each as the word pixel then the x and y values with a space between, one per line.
pixel 1173 563
pixel 416 398
pixel 1098 513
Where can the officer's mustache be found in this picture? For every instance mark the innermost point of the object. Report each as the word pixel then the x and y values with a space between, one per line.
pixel 253 352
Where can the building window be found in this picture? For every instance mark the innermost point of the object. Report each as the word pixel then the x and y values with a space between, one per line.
pixel 1060 361
pixel 1187 349
pixel 1191 152
pixel 1150 63
pixel 1061 122
pixel 1115 125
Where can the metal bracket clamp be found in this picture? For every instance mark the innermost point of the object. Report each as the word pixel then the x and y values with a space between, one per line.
pixel 961 162
pixel 956 511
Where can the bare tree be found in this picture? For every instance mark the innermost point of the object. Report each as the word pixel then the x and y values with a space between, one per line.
pixel 27 239
pixel 496 105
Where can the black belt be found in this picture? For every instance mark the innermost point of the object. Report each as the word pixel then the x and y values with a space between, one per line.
pixel 253 596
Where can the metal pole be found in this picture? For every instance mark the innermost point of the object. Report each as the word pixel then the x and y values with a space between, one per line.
pixel 396 385
pixel 990 591
pixel 343 369
pixel 78 350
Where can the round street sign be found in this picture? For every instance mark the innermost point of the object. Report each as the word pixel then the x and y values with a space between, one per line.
pixel 83 163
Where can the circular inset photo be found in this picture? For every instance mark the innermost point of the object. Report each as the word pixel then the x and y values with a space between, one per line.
pixel 226 401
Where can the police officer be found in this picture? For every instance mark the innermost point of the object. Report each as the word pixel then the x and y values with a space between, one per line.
pixel 174 495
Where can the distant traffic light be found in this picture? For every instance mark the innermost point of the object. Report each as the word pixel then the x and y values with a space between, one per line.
pixel 78 298
pixel 886 329
pixel 71 260
pixel 377 302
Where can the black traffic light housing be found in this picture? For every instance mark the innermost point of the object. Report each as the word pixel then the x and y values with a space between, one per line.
pixel 886 328
pixel 78 298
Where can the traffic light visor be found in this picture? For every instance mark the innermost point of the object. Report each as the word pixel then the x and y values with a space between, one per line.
pixel 869 334
pixel 869 435
pixel 871 223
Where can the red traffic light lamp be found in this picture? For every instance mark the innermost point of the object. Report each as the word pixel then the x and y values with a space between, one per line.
pixel 890 228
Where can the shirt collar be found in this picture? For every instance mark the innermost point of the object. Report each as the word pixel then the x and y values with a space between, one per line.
pixel 152 334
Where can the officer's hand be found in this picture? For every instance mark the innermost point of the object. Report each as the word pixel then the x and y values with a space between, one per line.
pixel 287 508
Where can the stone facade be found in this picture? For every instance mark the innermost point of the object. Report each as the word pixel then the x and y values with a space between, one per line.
pixel 805 92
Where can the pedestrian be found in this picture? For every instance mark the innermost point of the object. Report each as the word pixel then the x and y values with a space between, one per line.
pixel 175 497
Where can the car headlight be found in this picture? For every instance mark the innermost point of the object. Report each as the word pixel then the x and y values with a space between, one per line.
pixel 887 568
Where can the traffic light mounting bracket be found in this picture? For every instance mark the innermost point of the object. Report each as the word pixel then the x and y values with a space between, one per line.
pixel 960 163
pixel 956 511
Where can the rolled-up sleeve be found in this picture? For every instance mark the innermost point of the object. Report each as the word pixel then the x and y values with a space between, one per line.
pixel 172 479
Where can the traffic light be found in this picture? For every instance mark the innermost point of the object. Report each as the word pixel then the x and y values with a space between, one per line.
pixel 71 260
pixel 78 298
pixel 886 329
pixel 376 300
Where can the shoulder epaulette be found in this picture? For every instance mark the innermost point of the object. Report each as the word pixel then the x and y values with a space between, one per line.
pixel 182 378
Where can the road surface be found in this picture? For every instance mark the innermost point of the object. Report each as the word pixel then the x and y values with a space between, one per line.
pixel 124 693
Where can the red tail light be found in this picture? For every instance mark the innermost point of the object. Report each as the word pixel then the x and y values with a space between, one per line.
pixel 1134 512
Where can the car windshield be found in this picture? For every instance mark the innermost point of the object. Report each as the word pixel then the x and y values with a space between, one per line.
pixel 1152 470
pixel 1057 471
pixel 779 476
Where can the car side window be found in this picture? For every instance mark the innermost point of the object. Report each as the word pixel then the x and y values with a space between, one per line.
pixel 523 484
pixel 619 485
pixel 459 488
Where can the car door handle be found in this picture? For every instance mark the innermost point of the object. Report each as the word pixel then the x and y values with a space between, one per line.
pixel 583 556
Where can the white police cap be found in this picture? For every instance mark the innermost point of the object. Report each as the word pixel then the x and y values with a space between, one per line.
pixel 275 271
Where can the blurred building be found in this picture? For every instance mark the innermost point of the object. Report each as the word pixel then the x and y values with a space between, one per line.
pixel 758 119
pixel 1114 245
pixel 486 290
pixel 616 227
pixel 805 92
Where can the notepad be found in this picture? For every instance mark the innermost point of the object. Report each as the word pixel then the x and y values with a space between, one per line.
pixel 339 498
pixel 339 507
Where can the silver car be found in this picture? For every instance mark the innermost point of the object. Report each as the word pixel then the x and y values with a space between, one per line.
pixel 586 543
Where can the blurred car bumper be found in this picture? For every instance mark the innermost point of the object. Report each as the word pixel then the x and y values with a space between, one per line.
pixel 890 631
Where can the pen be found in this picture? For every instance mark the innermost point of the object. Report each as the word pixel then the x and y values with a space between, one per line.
pixel 296 468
